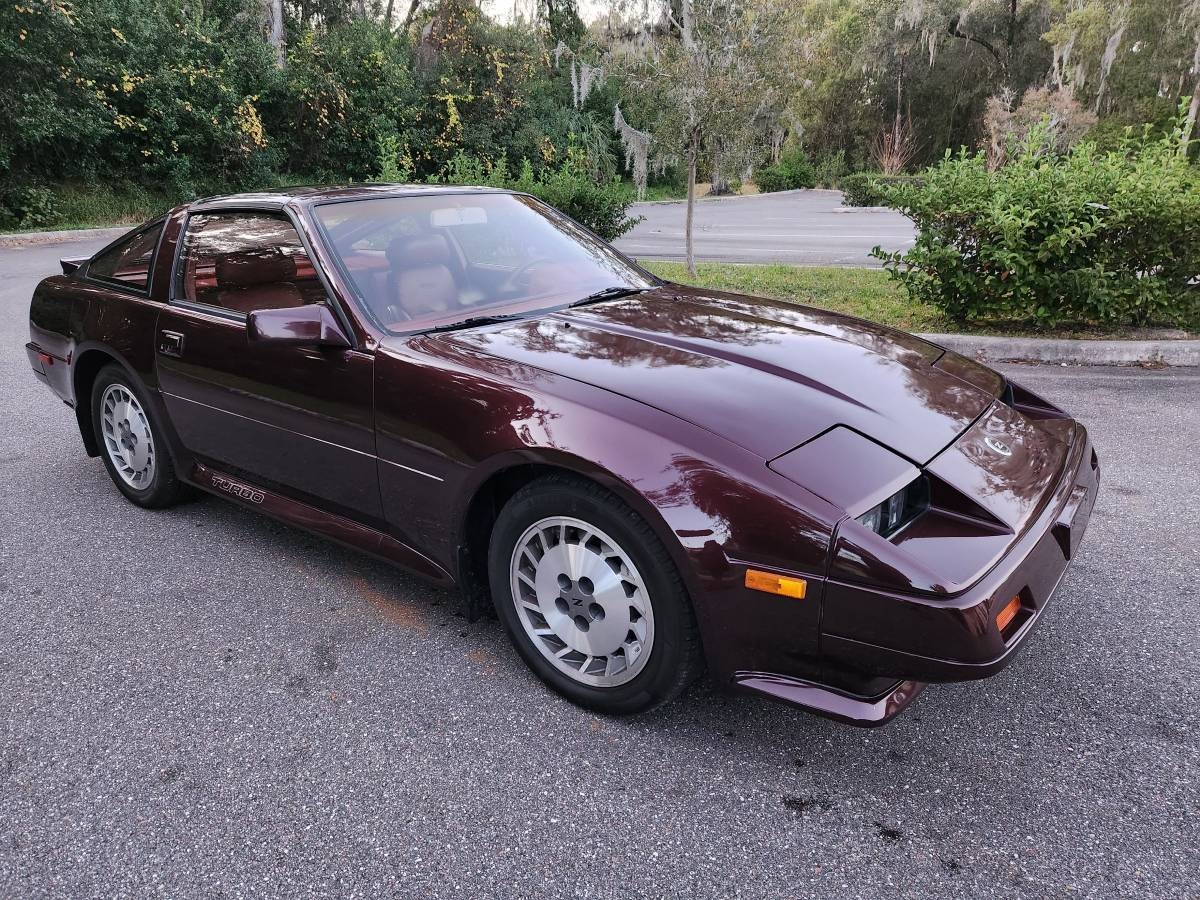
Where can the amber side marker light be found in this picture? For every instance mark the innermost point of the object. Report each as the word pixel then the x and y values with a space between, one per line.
pixel 1009 612
pixel 776 584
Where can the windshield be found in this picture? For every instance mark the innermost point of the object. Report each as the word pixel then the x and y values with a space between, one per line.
pixel 427 261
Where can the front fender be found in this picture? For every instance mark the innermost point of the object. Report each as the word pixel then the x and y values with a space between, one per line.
pixel 449 419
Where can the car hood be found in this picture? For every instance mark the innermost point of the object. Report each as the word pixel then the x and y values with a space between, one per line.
pixel 764 374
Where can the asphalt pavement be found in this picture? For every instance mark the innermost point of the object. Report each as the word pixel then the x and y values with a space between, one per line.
pixel 797 227
pixel 201 702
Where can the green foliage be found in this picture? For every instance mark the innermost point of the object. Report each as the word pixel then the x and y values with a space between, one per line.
pixel 563 22
pixel 394 166
pixel 186 99
pixel 108 88
pixel 1084 237
pixel 869 189
pixel 601 206
pixel 770 179
pixel 791 172
pixel 830 169
pixel 1111 132
pixel 27 206
pixel 347 96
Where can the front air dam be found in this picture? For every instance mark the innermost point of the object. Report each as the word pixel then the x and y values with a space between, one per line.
pixel 866 712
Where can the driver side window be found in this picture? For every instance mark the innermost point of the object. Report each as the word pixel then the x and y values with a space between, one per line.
pixel 245 261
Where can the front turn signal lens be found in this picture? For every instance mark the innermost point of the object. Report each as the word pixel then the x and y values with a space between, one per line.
pixel 776 584
pixel 1009 613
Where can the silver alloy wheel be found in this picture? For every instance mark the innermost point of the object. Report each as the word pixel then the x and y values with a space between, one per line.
pixel 127 436
pixel 582 601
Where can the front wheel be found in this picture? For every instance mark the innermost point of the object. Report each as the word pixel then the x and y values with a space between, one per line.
pixel 590 598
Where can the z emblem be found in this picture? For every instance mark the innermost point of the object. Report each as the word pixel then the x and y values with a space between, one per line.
pixel 998 445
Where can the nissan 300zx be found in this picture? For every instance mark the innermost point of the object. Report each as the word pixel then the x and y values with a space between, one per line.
pixel 643 480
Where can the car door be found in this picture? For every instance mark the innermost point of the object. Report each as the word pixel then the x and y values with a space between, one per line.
pixel 294 419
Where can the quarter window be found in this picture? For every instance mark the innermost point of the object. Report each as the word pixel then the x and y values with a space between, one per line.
pixel 129 263
pixel 246 261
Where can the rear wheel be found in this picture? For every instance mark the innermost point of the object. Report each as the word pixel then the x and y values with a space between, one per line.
pixel 132 445
pixel 590 597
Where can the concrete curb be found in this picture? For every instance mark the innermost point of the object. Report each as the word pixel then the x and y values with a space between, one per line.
pixel 1066 352
pixel 37 238
pixel 862 209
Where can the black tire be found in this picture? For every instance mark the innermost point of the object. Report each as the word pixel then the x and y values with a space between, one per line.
pixel 675 655
pixel 164 488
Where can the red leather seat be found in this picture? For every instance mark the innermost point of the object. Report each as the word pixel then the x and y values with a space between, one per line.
pixel 421 280
pixel 250 281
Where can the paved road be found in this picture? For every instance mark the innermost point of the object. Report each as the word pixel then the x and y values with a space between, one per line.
pixel 797 227
pixel 202 702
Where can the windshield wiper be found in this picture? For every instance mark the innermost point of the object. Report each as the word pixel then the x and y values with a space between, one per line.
pixel 471 322
pixel 608 293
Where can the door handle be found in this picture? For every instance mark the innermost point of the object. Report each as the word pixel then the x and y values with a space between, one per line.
pixel 170 343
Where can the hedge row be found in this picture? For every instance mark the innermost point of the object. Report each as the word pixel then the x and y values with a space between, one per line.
pixel 1085 237
pixel 867 189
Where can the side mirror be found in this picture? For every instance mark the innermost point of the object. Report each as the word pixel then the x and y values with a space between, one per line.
pixel 313 325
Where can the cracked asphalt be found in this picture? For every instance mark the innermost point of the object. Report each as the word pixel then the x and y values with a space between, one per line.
pixel 201 702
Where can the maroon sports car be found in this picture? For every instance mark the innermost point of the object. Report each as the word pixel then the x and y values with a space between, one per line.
pixel 642 479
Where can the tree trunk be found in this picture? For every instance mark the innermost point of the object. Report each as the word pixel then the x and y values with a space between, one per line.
pixel 387 16
pixel 1189 125
pixel 693 152
pixel 412 11
pixel 717 182
pixel 274 10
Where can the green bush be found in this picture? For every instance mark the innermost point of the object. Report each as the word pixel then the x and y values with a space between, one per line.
pixel 1086 237
pixel 602 206
pixel 102 90
pixel 771 179
pixel 830 169
pixel 867 189
pixel 26 206
pixel 791 172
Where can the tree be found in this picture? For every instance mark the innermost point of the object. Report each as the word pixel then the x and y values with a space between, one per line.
pixel 274 19
pixel 1118 53
pixel 708 80
pixel 562 22
pixel 945 59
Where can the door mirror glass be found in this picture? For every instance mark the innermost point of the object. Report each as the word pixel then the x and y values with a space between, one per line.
pixel 313 325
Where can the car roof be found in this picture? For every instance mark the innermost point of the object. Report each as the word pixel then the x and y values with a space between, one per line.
pixel 308 195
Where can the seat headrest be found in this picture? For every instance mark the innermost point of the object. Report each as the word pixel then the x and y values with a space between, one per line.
pixel 247 269
pixel 419 252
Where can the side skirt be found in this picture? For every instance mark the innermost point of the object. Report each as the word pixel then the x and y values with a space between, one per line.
pixel 865 712
pixel 336 528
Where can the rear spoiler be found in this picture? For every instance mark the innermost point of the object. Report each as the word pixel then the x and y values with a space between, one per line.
pixel 70 265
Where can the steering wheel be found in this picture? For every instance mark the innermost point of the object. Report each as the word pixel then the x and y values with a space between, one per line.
pixel 513 281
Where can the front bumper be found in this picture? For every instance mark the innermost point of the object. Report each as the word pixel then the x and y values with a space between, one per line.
pixel 956 639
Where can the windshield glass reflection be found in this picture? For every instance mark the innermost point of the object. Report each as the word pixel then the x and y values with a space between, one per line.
pixel 422 261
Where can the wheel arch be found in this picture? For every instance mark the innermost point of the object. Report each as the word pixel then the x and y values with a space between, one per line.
pixel 89 359
pixel 503 480
pixel 86 367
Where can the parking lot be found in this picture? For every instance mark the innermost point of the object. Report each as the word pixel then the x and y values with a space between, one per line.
pixel 809 228
pixel 202 702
